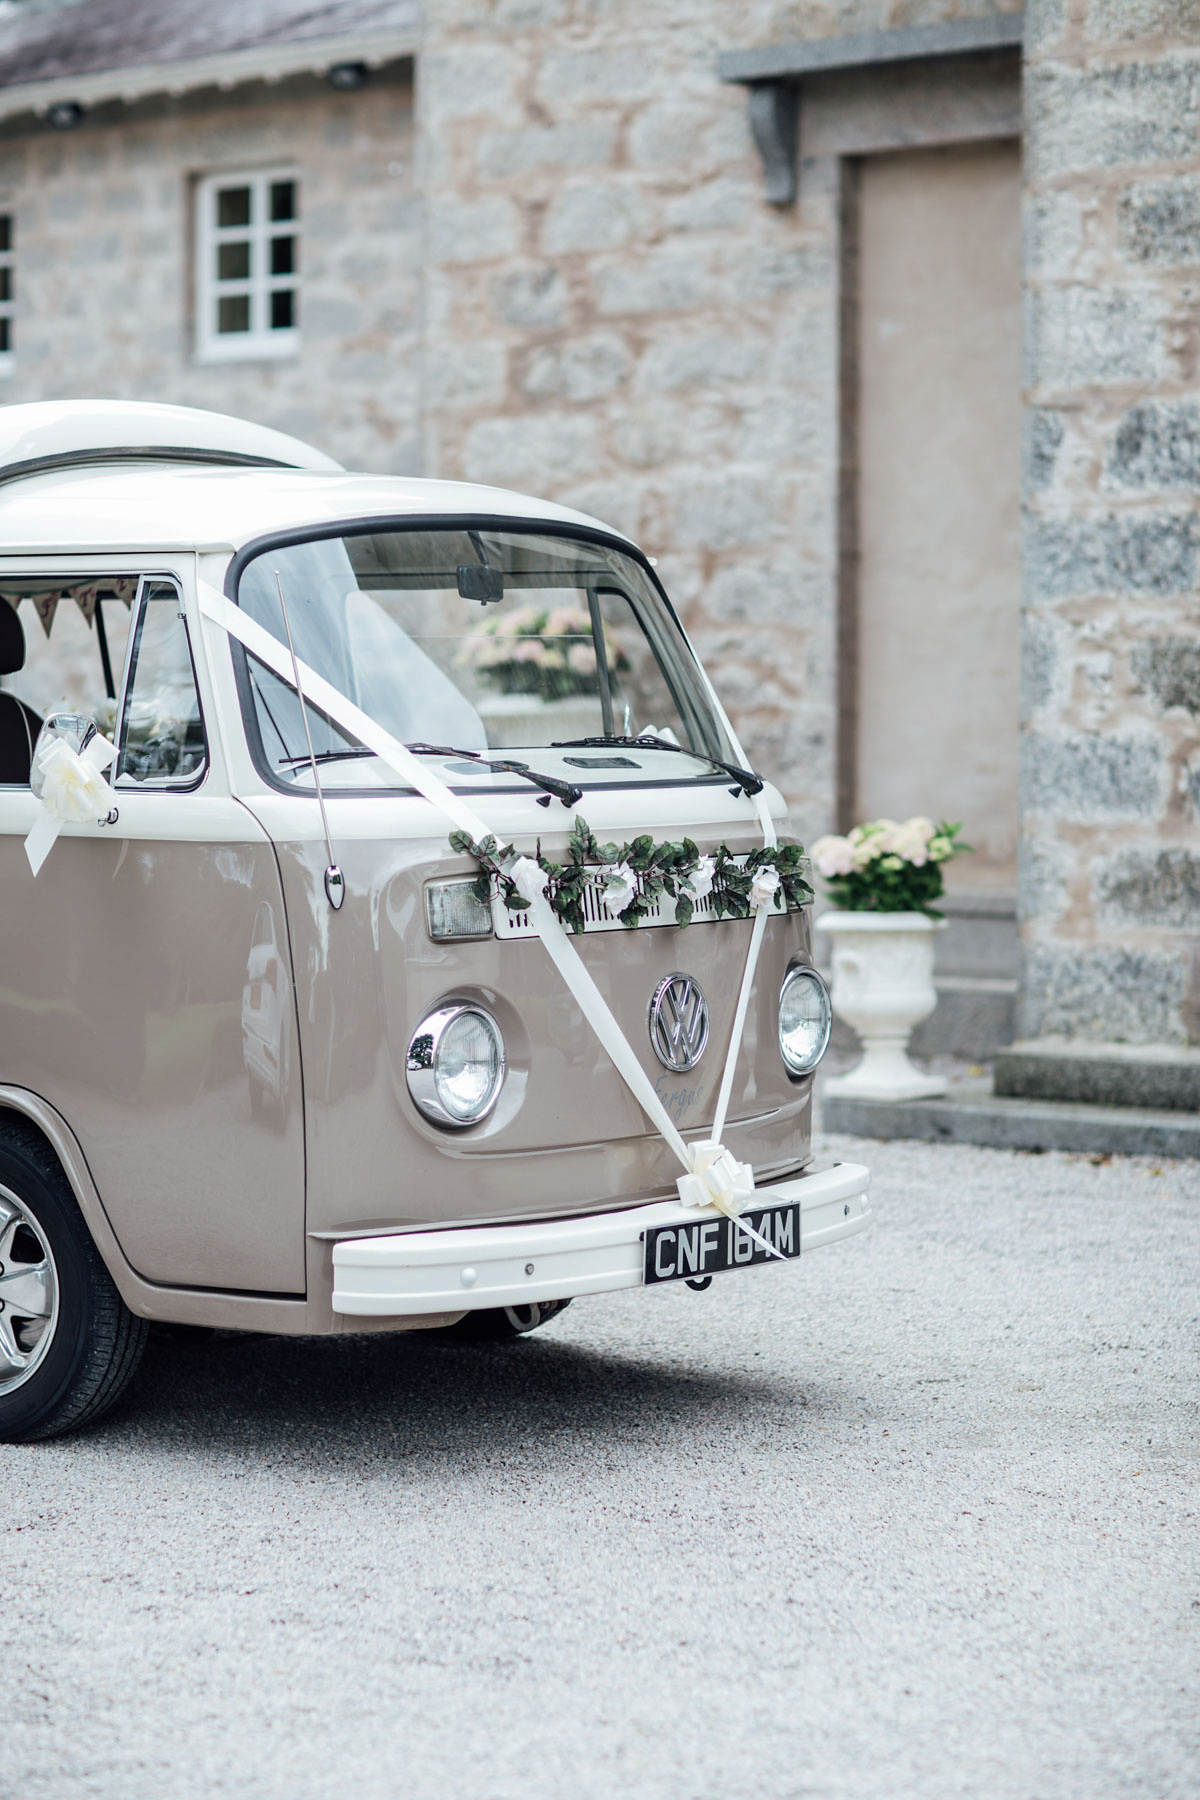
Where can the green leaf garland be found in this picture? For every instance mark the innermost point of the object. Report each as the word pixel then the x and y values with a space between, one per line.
pixel 658 868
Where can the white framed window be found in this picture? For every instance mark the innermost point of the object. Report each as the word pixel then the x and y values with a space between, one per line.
pixel 7 278
pixel 247 265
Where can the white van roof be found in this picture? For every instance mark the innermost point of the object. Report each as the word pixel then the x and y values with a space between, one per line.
pixel 48 434
pixel 150 508
pixel 109 476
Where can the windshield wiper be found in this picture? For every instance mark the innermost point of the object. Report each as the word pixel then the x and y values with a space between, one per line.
pixel 748 782
pixel 327 755
pixel 566 791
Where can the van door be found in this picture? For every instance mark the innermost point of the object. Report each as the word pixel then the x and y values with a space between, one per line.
pixel 146 990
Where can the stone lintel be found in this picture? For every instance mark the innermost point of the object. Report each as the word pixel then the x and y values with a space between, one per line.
pixel 816 56
pixel 774 72
pixel 1161 1076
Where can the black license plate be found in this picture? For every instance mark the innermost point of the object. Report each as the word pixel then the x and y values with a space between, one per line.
pixel 709 1246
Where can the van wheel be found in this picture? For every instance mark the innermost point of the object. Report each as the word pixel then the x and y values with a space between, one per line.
pixel 68 1344
pixel 497 1324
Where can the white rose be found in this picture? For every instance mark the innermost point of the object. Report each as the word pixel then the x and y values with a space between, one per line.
pixel 762 888
pixel 620 887
pixel 529 876
pixel 698 884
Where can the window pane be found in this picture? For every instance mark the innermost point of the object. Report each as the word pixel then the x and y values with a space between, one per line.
pixel 233 206
pixel 233 262
pixel 283 310
pixel 233 312
pixel 162 735
pixel 6 283
pixel 283 255
pixel 283 200
pixel 5 335
pixel 5 231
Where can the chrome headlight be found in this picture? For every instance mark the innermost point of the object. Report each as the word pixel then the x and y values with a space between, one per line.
pixel 455 1064
pixel 805 1020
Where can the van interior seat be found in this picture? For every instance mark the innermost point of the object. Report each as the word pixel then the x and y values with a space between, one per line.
pixel 19 724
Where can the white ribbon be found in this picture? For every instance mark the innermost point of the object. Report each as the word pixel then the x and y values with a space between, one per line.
pixel 713 1177
pixel 73 790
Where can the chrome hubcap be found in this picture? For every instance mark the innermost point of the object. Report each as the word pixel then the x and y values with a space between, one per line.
pixel 28 1293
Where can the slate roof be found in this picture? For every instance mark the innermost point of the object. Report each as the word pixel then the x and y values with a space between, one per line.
pixel 65 38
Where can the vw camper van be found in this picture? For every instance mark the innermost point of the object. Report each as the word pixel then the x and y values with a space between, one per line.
pixel 394 936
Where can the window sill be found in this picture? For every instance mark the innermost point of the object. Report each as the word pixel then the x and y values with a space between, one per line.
pixel 275 346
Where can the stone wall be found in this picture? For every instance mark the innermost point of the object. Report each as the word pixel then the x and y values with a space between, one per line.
pixel 1110 877
pixel 615 317
pixel 104 238
pixel 578 290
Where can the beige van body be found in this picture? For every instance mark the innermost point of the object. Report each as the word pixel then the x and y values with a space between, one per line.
pixel 218 1058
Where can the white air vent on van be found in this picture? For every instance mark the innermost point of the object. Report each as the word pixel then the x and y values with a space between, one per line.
pixel 55 434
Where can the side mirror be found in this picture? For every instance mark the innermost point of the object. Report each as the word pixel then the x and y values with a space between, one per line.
pixel 75 729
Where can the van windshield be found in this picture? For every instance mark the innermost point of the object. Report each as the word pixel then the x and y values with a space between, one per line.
pixel 478 640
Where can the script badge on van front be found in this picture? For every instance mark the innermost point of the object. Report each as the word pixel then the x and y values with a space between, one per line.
pixel 678 1023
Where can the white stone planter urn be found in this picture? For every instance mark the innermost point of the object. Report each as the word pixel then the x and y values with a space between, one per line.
pixel 883 987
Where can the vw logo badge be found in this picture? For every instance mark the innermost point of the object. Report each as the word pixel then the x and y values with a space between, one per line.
pixel 678 1023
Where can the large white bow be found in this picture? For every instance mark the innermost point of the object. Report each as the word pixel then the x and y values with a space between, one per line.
pixel 71 788
pixel 718 1179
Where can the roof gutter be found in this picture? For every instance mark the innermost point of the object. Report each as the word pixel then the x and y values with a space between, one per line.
pixel 230 69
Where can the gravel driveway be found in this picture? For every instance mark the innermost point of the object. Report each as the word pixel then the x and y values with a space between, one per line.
pixel 918 1518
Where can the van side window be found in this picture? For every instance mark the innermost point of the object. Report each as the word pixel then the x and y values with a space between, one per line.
pixel 162 733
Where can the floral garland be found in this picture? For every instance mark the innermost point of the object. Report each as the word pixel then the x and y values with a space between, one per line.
pixel 633 877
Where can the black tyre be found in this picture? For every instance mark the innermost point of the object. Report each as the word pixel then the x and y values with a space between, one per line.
pixel 495 1325
pixel 68 1344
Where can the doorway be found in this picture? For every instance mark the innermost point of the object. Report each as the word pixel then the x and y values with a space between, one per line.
pixel 933 718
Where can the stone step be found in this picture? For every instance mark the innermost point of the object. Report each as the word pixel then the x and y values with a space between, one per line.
pixel 1161 1076
pixel 974 1016
pixel 971 1114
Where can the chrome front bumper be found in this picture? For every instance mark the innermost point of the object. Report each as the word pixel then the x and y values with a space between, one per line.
pixel 478 1266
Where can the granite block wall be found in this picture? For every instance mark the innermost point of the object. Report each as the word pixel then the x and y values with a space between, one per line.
pixel 104 270
pixel 566 279
pixel 1110 875
pixel 615 317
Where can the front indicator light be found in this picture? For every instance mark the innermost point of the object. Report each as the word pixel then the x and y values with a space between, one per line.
pixel 454 910
pixel 455 1065
pixel 805 1020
